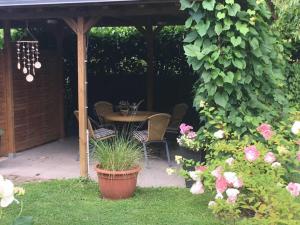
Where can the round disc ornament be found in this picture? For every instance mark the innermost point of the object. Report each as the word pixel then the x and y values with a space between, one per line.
pixel 29 78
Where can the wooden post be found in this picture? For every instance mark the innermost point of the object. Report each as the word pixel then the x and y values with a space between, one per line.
pixel 59 35
pixel 9 90
pixel 149 36
pixel 81 27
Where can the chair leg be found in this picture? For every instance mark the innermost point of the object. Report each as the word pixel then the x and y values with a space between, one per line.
pixel 145 154
pixel 168 153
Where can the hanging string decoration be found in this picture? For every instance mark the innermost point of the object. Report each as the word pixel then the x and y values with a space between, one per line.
pixel 28 56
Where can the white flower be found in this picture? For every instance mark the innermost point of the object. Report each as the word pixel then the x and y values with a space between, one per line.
pixel 170 171
pixel 219 134
pixel 296 127
pixel 232 192
pixel 231 177
pixel 178 159
pixel 6 192
pixel 195 175
pixel 202 104
pixel 211 204
pixel 230 161
pixel 276 165
pixel 219 196
pixel 197 188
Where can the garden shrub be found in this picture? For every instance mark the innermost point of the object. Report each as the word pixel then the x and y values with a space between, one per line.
pixel 239 59
pixel 253 178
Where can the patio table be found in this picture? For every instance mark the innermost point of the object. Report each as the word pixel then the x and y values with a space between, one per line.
pixel 140 116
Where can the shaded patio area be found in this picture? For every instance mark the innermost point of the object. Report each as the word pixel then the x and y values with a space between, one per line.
pixel 58 160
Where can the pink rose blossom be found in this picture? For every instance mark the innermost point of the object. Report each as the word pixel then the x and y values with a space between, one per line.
pixel 232 195
pixel 265 130
pixel 230 161
pixel 197 188
pixel 192 135
pixel 270 157
pixel 251 153
pixel 238 184
pixel 230 177
pixel 185 129
pixel 221 184
pixel 200 168
pixel 294 189
pixel 217 173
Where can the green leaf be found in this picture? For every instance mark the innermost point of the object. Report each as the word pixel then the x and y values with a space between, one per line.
pixel 221 15
pixel 24 220
pixel 221 99
pixel 229 77
pixel 202 27
pixel 218 29
pixel 227 24
pixel 186 4
pixel 236 41
pixel 242 28
pixel 188 22
pixel 233 9
pixel 206 77
pixel 230 2
pixel 191 50
pixel 215 55
pixel 190 37
pixel 254 43
pixel 209 4
pixel 239 63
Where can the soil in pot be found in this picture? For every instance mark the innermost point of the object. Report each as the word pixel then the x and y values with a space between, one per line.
pixel 117 185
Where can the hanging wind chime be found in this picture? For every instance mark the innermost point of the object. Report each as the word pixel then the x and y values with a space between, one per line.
pixel 28 55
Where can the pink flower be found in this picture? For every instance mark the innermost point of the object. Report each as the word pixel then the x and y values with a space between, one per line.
pixel 200 168
pixel 230 177
pixel 197 188
pixel 217 173
pixel 265 130
pixel 221 184
pixel 270 157
pixel 298 156
pixel 230 161
pixel 294 189
pixel 185 129
pixel 192 135
pixel 251 153
pixel 238 184
pixel 232 194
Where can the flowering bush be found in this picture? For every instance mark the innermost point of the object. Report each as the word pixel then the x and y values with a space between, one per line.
pixel 7 197
pixel 253 176
pixel 187 138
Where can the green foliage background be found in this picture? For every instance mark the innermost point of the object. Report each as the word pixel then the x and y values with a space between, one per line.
pixel 239 59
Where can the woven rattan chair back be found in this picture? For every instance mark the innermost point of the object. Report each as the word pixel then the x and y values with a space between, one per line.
pixel 102 108
pixel 178 113
pixel 90 128
pixel 157 126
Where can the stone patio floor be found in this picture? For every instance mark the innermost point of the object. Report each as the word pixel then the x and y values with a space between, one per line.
pixel 58 160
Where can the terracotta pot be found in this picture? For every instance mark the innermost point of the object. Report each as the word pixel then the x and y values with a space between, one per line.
pixel 116 185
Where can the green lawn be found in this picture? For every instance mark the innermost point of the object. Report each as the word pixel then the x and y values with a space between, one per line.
pixel 74 202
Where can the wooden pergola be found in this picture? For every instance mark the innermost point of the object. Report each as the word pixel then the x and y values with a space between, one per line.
pixel 148 16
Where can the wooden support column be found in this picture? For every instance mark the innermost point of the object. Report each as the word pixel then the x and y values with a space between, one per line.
pixel 149 33
pixel 81 26
pixel 59 36
pixel 10 129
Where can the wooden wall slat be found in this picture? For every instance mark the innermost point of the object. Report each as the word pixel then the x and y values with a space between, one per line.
pixel 3 120
pixel 36 104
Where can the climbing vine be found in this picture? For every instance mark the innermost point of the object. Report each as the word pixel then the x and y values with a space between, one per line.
pixel 239 61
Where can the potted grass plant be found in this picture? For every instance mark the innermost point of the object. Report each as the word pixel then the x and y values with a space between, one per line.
pixel 118 166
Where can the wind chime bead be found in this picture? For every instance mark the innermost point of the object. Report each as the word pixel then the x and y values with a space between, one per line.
pixel 29 78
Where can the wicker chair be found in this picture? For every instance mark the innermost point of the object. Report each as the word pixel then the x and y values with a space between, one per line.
pixel 179 112
pixel 101 133
pixel 157 125
pixel 102 108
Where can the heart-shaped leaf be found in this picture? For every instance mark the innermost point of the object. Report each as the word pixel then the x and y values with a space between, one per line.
pixel 233 9
pixel 220 15
pixel 209 4
pixel 218 28
pixel 242 28
pixel 202 27
pixel 236 41
pixel 221 99
pixel 229 77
